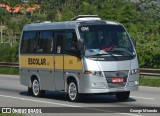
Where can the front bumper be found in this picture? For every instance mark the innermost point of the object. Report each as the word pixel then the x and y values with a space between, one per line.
pixel 93 85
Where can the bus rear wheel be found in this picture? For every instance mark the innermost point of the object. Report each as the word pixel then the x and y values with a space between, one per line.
pixel 36 89
pixel 73 94
pixel 122 96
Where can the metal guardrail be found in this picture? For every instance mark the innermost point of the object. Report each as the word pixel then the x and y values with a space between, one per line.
pixel 149 72
pixel 143 71
pixel 9 64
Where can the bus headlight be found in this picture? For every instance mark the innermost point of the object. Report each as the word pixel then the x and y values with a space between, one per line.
pixel 134 71
pixel 95 73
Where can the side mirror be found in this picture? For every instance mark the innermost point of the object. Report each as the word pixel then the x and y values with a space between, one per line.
pixel 75 52
pixel 134 42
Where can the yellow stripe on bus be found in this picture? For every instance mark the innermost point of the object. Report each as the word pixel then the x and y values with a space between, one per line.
pixel 58 62
pixel 66 62
pixel 72 63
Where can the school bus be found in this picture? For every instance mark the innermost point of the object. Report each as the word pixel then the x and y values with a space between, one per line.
pixel 86 55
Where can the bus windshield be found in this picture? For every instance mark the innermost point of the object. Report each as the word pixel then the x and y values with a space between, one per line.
pixel 106 40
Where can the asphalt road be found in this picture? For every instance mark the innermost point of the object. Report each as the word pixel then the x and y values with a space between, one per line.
pixel 12 94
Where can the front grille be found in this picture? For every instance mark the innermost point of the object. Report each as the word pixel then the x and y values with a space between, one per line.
pixel 116 74
pixel 116 85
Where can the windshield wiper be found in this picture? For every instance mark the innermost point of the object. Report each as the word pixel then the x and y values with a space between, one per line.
pixel 125 51
pixel 108 53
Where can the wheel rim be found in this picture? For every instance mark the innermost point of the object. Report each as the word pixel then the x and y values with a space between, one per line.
pixel 35 87
pixel 72 91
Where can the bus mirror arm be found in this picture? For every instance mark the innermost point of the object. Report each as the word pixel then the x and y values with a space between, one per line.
pixel 134 42
pixel 82 47
pixel 83 51
pixel 81 43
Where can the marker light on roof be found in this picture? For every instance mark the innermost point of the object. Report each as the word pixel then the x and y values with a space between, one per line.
pixel 88 18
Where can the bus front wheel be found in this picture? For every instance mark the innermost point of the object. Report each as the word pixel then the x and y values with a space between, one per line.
pixel 73 91
pixel 36 88
pixel 122 96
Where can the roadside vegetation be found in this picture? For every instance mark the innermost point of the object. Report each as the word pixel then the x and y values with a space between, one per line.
pixel 9 71
pixel 140 17
pixel 149 81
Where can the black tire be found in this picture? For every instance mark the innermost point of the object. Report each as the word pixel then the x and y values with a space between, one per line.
pixel 30 92
pixel 73 94
pixel 123 96
pixel 36 88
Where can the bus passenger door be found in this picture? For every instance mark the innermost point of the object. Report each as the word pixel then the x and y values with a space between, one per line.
pixel 59 60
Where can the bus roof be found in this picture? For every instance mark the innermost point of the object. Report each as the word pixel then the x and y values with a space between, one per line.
pixel 66 24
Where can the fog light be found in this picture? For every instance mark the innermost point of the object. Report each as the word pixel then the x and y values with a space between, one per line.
pixel 98 85
pixel 133 83
pixel 136 83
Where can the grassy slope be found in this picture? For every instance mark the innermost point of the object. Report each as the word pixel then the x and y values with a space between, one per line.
pixel 150 81
pixel 10 71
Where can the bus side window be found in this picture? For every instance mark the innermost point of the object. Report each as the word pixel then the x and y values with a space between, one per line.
pixel 28 44
pixel 45 42
pixel 71 41
pixel 59 42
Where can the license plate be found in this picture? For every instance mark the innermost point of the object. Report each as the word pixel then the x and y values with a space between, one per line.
pixel 117 80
